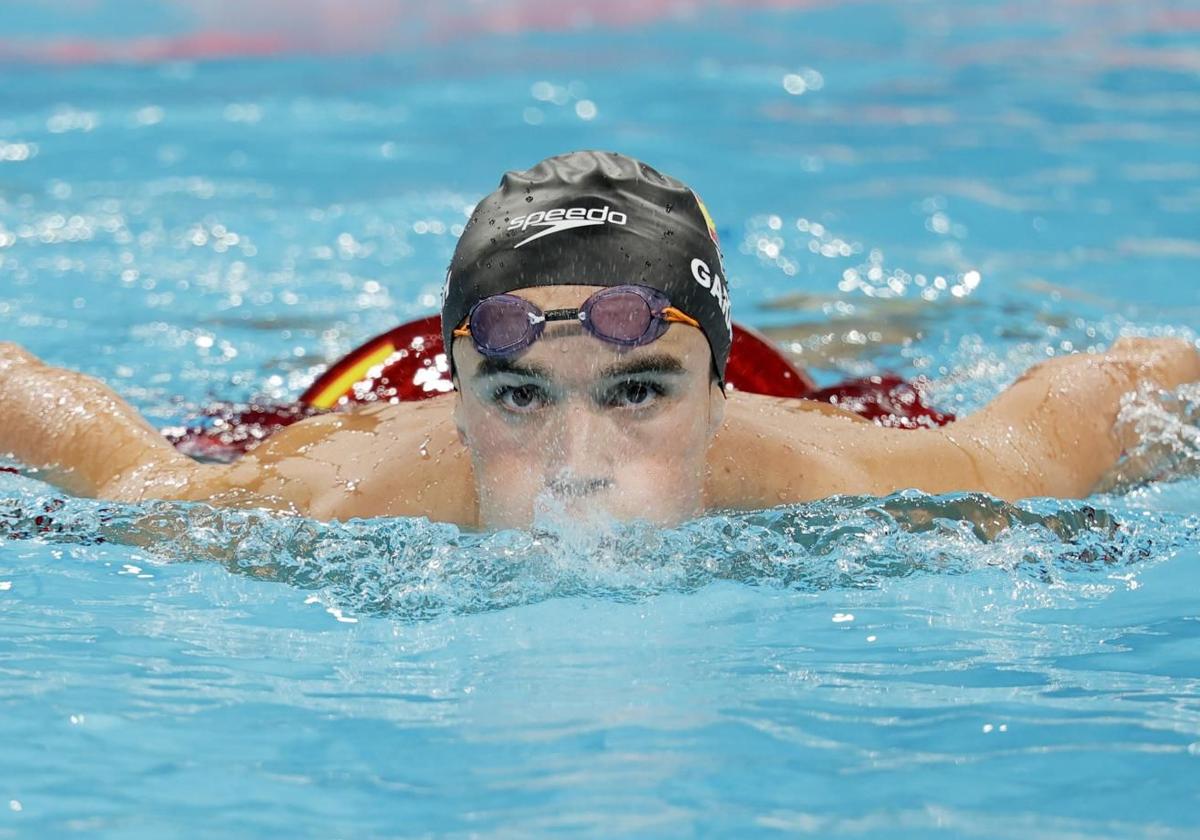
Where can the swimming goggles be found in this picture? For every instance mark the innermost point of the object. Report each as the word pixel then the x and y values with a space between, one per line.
pixel 628 316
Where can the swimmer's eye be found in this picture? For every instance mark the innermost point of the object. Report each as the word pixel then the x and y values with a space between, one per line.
pixel 521 398
pixel 634 393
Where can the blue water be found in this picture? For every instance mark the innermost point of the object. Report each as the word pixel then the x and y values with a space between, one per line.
pixel 954 189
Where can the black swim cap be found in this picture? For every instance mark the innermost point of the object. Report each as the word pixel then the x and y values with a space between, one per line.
pixel 592 219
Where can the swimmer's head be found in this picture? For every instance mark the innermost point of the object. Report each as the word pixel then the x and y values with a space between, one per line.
pixel 595 383
pixel 592 219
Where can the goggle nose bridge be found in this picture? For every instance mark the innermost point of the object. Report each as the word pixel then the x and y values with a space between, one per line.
pixel 561 315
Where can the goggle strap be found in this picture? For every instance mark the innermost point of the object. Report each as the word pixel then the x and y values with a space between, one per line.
pixel 675 316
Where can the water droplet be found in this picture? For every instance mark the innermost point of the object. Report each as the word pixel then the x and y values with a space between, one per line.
pixel 529 198
pixel 669 207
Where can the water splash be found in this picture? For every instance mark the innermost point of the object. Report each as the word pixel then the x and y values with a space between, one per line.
pixel 414 569
pixel 1164 430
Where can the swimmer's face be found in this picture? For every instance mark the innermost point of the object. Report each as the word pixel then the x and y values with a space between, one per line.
pixel 577 426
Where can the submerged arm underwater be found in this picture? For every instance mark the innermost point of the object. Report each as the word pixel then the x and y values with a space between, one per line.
pixel 1052 433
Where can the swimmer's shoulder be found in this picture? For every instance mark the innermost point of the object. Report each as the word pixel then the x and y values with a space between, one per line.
pixel 417 466
pixel 379 459
pixel 383 421
pixel 772 451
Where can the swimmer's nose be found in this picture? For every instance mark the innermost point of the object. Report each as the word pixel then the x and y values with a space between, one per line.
pixel 583 445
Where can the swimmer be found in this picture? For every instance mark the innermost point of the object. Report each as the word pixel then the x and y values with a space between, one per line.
pixel 587 311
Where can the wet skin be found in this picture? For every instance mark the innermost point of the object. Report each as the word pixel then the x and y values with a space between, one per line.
pixel 574 426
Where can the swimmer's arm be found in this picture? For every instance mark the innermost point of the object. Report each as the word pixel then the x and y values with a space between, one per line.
pixel 1054 432
pixel 92 443
pixel 87 439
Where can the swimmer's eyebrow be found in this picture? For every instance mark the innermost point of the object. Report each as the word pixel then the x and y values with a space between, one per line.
pixel 660 363
pixel 500 366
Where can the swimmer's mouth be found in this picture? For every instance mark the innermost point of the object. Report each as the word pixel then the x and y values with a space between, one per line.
pixel 574 489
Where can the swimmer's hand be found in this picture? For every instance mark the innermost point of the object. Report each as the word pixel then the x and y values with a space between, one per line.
pixel 83 436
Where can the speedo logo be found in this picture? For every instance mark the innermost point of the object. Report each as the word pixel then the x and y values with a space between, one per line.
pixel 565 218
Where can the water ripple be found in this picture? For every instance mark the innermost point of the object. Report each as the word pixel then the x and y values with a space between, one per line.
pixel 414 569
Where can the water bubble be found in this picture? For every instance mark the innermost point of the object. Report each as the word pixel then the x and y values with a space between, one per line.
pixel 150 115
pixel 794 84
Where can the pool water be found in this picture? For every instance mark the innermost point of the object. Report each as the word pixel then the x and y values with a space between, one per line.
pixel 198 205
